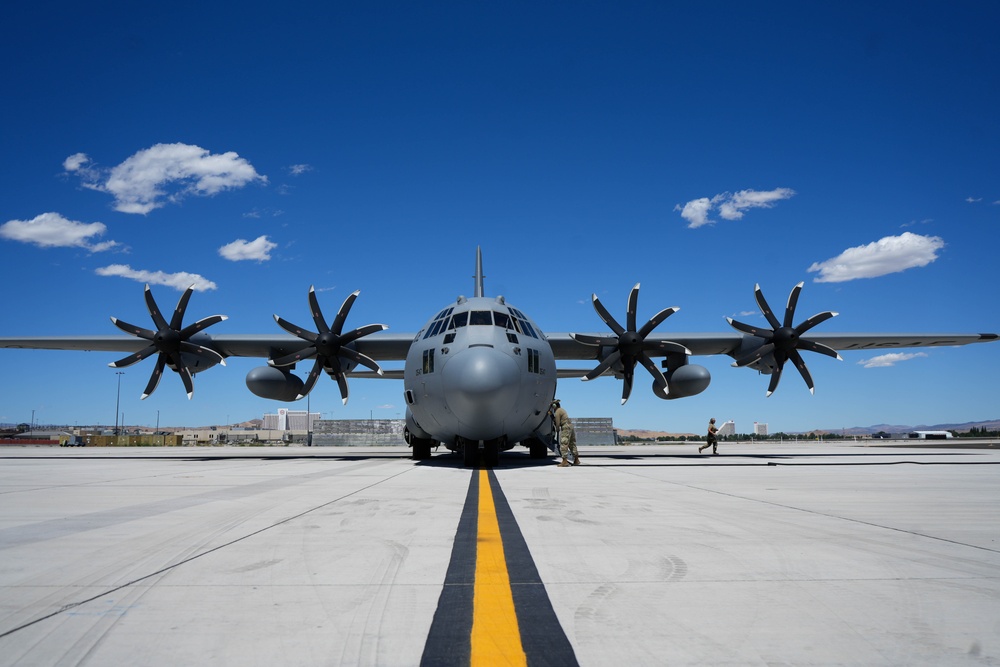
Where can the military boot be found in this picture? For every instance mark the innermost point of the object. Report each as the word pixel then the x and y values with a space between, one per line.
pixel 576 460
pixel 564 464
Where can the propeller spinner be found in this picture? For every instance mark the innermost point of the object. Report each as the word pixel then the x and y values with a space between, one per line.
pixel 630 345
pixel 170 341
pixel 328 345
pixel 782 340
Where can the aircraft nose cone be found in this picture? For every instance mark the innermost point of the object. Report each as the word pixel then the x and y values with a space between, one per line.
pixel 481 388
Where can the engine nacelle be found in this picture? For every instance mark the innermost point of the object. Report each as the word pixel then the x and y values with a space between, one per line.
pixel 687 380
pixel 276 384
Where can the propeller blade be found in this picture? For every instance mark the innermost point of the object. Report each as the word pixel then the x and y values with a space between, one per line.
pixel 656 320
pixel 755 356
pixel 175 321
pixel 311 379
pixel 154 379
pixel 587 339
pixel 134 358
pixel 345 308
pixel 633 302
pixel 626 387
pixel 657 374
pixel 296 330
pixel 793 299
pixel 813 321
pixel 813 346
pixel 775 379
pixel 764 308
pixel 344 390
pixel 608 362
pixel 185 374
pixel 665 346
pixel 133 329
pixel 750 329
pixel 294 358
pixel 201 324
pixel 154 310
pixel 202 352
pixel 362 359
pixel 360 332
pixel 603 313
pixel 317 312
pixel 803 371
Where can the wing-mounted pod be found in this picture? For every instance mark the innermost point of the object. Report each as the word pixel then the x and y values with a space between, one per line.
pixel 620 353
pixel 767 350
pixel 181 350
pixel 332 349
pixel 683 378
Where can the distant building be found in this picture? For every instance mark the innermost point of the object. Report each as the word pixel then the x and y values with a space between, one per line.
pixel 290 420
pixel 594 430
pixel 759 428
pixel 728 428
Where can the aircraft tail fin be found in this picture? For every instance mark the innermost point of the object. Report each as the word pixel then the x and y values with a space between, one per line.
pixel 478 287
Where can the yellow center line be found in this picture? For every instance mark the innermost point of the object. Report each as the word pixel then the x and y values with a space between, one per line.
pixel 496 639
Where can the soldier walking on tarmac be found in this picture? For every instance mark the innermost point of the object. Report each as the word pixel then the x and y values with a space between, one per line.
pixel 710 439
pixel 567 436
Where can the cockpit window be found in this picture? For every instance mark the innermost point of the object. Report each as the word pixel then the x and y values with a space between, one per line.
pixel 438 325
pixel 521 324
pixel 480 317
pixel 502 320
pixel 459 320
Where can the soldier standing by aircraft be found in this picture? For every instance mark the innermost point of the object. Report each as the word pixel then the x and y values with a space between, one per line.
pixel 567 436
pixel 710 439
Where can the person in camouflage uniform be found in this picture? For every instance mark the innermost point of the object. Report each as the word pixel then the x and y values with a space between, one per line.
pixel 710 439
pixel 567 436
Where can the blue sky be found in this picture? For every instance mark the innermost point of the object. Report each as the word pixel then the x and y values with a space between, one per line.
pixel 696 148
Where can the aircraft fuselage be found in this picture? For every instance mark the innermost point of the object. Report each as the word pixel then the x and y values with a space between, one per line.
pixel 480 373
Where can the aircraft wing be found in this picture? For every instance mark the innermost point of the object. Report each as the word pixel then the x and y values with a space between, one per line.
pixel 565 347
pixel 378 346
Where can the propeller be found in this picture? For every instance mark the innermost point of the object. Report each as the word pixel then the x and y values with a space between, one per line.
pixel 170 342
pixel 329 346
pixel 630 345
pixel 782 340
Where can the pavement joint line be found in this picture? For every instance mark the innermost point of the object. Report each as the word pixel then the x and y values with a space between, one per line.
pixel 110 591
pixel 818 513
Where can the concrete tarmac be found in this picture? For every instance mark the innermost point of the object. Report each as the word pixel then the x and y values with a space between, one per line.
pixel 798 554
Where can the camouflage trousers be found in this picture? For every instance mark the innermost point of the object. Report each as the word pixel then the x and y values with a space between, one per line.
pixel 567 443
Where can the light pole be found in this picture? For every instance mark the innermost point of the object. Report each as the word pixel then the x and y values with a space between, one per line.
pixel 119 398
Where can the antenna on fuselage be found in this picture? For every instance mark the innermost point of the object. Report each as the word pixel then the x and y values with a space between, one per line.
pixel 478 287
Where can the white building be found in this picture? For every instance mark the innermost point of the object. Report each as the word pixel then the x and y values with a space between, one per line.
pixel 728 428
pixel 759 428
pixel 290 420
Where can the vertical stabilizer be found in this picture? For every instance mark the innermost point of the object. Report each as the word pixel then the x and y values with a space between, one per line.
pixel 478 288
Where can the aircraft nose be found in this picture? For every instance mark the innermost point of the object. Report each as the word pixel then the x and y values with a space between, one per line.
pixel 481 388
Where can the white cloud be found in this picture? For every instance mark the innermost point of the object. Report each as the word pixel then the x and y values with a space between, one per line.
pixel 240 249
pixel 730 206
pixel 51 230
pixel 164 172
pixel 179 281
pixel 973 200
pixel 891 254
pixel 299 169
pixel 886 360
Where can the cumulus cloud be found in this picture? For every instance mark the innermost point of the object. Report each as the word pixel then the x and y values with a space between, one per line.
pixel 259 249
pixel 162 173
pixel 731 206
pixel 179 281
pixel 51 230
pixel 886 360
pixel 891 254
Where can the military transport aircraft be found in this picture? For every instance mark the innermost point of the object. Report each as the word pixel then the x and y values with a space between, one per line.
pixel 480 375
